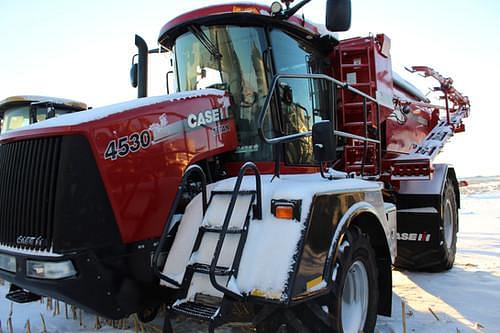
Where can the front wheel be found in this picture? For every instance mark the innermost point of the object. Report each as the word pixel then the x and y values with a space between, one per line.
pixel 351 306
pixel 355 295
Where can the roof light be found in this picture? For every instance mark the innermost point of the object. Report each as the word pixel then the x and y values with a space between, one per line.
pixel 7 263
pixel 276 8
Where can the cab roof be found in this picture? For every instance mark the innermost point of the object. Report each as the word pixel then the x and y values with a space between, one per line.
pixel 28 99
pixel 239 12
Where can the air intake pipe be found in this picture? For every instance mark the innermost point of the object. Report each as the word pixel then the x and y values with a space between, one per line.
pixel 142 72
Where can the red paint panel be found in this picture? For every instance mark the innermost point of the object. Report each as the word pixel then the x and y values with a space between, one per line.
pixel 235 8
pixel 141 186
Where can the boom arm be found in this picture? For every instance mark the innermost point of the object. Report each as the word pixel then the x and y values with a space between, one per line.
pixel 422 155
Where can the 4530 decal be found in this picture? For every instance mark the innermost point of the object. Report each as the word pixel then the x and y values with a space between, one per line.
pixel 125 145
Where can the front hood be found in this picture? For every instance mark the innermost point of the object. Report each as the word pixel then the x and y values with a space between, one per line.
pixel 68 122
pixel 140 148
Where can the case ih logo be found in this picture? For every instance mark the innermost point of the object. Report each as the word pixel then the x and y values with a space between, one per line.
pixel 414 237
pixel 207 117
pixel 30 241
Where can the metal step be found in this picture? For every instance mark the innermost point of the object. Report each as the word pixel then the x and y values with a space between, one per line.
pixel 250 192
pixel 196 310
pixel 354 65
pixel 205 269
pixel 22 296
pixel 218 229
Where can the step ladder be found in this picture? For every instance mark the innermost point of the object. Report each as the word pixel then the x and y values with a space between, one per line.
pixel 206 289
pixel 357 69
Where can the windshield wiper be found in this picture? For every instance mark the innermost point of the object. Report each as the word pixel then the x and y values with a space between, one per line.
pixel 205 41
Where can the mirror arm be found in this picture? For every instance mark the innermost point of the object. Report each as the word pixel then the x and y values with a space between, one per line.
pixel 290 12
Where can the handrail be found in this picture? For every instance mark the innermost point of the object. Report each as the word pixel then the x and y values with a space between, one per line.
pixel 180 190
pixel 227 219
pixel 295 136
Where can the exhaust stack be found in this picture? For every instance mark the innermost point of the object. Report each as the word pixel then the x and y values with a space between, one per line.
pixel 142 75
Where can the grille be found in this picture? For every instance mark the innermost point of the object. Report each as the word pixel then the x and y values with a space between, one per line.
pixel 28 179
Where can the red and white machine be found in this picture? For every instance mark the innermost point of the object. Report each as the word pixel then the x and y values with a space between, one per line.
pixel 286 175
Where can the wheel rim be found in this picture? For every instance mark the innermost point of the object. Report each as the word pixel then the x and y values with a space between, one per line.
pixel 355 298
pixel 448 224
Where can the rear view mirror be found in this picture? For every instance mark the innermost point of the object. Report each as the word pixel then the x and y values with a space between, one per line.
pixel 133 75
pixel 338 15
pixel 51 112
pixel 324 143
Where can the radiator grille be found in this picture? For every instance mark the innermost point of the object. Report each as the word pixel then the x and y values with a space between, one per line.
pixel 28 179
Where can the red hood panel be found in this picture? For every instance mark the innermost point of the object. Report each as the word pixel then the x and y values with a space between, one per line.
pixel 142 149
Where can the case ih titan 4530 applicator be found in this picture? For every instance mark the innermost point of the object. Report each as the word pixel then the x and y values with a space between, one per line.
pixel 286 175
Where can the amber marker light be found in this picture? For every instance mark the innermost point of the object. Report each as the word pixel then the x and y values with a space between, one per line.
pixel 284 212
pixel 245 9
pixel 286 209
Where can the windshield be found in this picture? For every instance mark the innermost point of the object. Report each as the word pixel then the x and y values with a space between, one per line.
pixel 16 117
pixel 19 116
pixel 231 59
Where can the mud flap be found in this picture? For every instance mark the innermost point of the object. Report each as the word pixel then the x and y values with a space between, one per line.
pixel 419 237
pixel 420 220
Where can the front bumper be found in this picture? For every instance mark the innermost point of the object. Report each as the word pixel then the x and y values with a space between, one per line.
pixel 100 285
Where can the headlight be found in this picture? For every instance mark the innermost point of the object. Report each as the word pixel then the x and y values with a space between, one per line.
pixel 7 263
pixel 50 270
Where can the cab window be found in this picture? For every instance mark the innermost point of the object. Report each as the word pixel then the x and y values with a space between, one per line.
pixel 302 101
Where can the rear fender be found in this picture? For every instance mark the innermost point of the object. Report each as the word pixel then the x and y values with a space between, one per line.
pixel 419 217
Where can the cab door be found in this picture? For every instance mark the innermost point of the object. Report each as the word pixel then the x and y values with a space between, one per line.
pixel 301 101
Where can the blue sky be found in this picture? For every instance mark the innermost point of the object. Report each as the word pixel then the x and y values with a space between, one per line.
pixel 82 50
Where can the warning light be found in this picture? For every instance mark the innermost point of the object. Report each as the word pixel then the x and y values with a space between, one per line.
pixel 284 212
pixel 245 9
pixel 286 209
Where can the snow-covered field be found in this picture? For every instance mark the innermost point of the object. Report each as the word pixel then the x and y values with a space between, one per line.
pixel 465 299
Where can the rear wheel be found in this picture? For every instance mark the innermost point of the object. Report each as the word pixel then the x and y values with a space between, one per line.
pixel 449 229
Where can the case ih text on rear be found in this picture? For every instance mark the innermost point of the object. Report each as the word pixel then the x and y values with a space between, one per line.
pixel 286 175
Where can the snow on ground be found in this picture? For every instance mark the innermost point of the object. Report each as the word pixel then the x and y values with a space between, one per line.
pixel 467 297
pixel 464 299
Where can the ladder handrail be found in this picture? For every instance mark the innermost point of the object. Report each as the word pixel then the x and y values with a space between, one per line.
pixel 180 190
pixel 227 219
pixel 292 137
pixel 337 83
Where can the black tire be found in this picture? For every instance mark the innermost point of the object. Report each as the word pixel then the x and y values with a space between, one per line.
pixel 357 251
pixel 148 314
pixel 448 230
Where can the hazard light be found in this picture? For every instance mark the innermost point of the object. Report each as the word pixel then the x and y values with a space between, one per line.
pixel 286 209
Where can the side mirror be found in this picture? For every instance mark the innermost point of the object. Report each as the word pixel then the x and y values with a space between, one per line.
pixel 133 75
pixel 51 111
pixel 324 143
pixel 338 15
pixel 167 79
